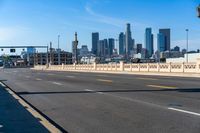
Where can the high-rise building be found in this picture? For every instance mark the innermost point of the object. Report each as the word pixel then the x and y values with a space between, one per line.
pixel 121 43
pixel 149 42
pixel 161 42
pixel 102 48
pixel 139 48
pixel 111 46
pixel 129 41
pixel 95 40
pixel 84 50
pixel 166 33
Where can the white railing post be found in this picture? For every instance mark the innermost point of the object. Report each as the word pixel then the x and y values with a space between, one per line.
pixel 170 67
pixel 148 67
pixel 139 67
pixel 158 67
pixel 74 66
pixel 95 66
pixel 198 66
pixel 131 67
pixel 121 66
pixel 183 67
pixel 62 65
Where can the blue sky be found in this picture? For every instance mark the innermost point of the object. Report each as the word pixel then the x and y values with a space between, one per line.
pixel 37 22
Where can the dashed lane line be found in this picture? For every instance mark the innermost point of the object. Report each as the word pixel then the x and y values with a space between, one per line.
pixel 147 79
pixel 163 87
pixel 139 101
pixel 50 74
pixel 57 83
pixel 27 76
pixel 70 76
pixel 38 79
pixel 105 80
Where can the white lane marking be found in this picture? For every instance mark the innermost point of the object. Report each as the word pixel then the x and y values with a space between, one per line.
pixel 50 74
pixel 38 79
pixel 56 83
pixel 100 93
pixel 70 76
pixel 89 90
pixel 184 111
pixel 27 76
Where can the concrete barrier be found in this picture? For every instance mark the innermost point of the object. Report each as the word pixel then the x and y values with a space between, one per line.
pixel 123 67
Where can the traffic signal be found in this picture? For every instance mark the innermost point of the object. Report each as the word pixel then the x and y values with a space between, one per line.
pixel 12 50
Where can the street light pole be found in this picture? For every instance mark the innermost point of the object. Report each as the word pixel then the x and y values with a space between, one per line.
pixel 58 41
pixel 58 50
pixel 187 30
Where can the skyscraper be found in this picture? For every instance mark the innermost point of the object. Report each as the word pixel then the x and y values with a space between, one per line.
pixel 129 41
pixel 102 48
pixel 161 42
pixel 166 33
pixel 139 48
pixel 95 39
pixel 149 42
pixel 121 43
pixel 111 46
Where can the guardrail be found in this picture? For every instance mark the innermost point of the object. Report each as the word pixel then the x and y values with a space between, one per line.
pixel 147 67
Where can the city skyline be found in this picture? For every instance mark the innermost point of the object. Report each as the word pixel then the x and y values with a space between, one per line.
pixel 17 27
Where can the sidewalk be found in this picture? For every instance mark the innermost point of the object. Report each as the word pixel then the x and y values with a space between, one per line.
pixel 14 118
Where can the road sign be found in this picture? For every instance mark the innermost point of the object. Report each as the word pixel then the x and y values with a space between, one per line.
pixel 12 50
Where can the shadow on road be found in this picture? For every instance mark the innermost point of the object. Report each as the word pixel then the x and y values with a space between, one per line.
pixel 112 91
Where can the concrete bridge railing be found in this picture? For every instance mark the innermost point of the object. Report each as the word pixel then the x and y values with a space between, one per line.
pixel 145 67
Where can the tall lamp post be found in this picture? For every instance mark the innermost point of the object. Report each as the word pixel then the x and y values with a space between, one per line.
pixel 187 30
pixel 58 49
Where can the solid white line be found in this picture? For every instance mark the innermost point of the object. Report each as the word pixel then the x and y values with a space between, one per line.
pixel 184 111
pixel 56 83
pixel 38 79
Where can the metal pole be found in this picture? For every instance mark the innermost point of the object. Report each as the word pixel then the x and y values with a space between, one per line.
pixel 187 45
pixel 58 50
pixel 58 41
pixel 47 62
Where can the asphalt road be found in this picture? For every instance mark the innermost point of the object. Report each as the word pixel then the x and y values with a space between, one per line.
pixel 111 103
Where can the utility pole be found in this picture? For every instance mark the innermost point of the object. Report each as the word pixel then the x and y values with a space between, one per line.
pixel 187 30
pixel 58 50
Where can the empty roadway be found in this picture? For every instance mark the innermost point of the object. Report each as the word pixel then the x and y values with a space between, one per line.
pixel 110 103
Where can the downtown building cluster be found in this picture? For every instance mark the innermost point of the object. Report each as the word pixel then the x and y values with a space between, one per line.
pixel 128 49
